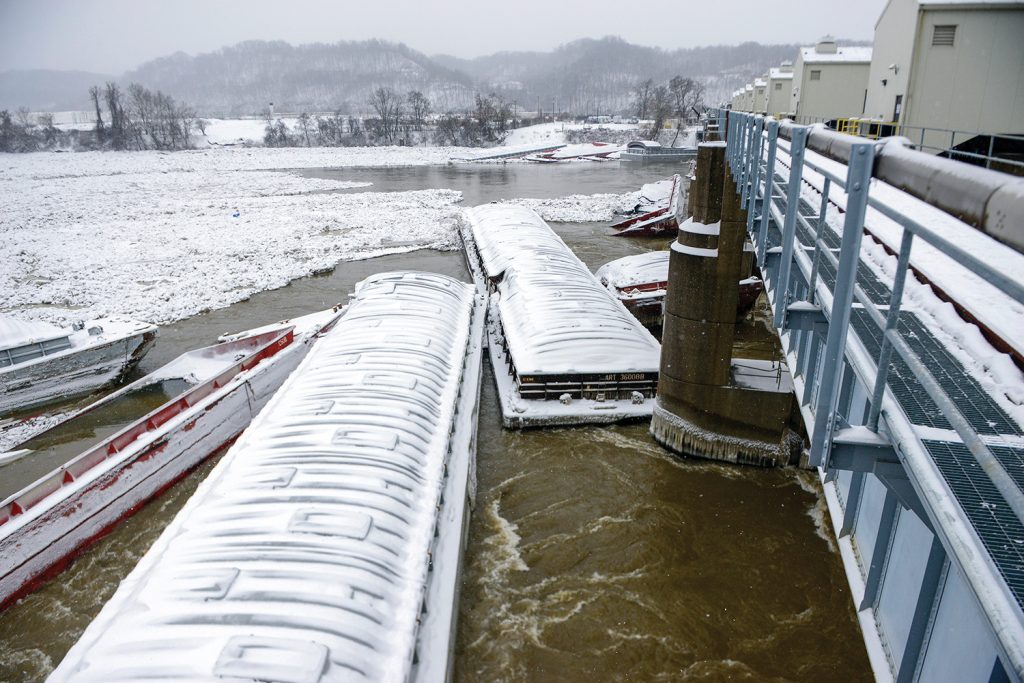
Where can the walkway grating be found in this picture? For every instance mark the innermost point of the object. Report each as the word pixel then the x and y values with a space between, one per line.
pixel 999 529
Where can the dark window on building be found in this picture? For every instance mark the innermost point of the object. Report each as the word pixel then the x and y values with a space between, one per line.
pixel 778 86
pixel 943 35
pixel 815 74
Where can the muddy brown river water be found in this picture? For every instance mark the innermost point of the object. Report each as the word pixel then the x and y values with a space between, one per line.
pixel 594 555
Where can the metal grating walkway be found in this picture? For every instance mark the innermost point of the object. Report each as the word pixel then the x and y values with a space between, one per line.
pixel 999 529
pixel 984 415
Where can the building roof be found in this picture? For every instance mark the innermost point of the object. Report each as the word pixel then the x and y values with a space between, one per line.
pixel 759 83
pixel 848 55
pixel 779 74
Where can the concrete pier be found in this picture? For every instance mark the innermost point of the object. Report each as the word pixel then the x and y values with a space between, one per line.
pixel 706 405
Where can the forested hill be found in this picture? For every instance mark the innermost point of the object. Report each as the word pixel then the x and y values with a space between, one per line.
pixel 596 76
pixel 584 77
pixel 243 78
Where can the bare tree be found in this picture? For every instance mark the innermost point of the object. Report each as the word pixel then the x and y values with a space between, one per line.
pixel 50 131
pixel 94 93
pixel 118 122
pixel 644 92
pixel 661 109
pixel 24 117
pixel 419 108
pixel 304 125
pixel 387 104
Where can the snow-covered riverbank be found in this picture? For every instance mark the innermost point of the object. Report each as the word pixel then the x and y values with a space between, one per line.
pixel 163 236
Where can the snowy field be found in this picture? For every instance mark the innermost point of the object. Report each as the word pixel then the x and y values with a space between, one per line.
pixel 164 236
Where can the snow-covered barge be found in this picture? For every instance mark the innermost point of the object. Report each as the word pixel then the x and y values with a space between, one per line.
pixel 204 399
pixel 564 349
pixel 326 545
pixel 660 216
pixel 40 362
pixel 640 281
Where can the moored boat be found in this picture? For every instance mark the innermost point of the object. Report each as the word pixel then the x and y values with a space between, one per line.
pixel 191 408
pixel 649 151
pixel 659 215
pixel 640 282
pixel 40 362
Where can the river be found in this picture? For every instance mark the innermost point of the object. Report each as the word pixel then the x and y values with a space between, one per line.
pixel 594 554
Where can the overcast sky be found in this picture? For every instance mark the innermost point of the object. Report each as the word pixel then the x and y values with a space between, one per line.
pixel 112 36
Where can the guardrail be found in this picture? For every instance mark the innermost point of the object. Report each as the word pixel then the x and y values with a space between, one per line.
pixel 938 141
pixel 757 149
pixel 753 139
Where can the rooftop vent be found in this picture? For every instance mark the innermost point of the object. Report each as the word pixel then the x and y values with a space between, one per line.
pixel 786 66
pixel 826 46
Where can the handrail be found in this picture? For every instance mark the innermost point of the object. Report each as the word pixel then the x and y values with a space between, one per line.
pixel 990 201
pixel 957 189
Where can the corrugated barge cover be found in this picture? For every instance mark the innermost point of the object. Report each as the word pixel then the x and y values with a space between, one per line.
pixel 305 555
pixel 556 316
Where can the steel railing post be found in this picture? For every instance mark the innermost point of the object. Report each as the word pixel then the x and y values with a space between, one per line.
pixel 748 167
pixel 769 184
pixel 858 179
pixel 891 320
pixel 740 173
pixel 758 148
pixel 822 212
pixel 796 165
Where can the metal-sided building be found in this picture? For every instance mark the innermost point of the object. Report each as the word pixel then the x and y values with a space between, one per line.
pixel 779 93
pixel 829 82
pixel 954 66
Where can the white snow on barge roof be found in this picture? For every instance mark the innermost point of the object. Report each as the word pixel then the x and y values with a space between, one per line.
pixel 309 553
pixel 638 269
pixel 557 318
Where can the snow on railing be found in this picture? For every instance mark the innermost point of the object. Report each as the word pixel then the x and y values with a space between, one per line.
pixel 307 553
pixel 767 171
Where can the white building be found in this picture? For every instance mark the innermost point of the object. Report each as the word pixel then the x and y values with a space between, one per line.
pixel 830 82
pixel 948 65
pixel 760 95
pixel 780 90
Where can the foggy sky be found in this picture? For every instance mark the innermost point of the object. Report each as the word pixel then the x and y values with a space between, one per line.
pixel 112 36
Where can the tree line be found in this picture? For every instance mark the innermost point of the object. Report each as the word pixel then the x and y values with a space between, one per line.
pixel 680 98
pixel 396 120
pixel 136 118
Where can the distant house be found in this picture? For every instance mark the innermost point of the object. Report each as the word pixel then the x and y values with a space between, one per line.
pixel 760 100
pixel 780 90
pixel 948 64
pixel 830 82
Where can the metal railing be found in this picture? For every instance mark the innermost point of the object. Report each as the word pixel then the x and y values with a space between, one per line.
pixel 757 149
pixel 748 140
pixel 938 141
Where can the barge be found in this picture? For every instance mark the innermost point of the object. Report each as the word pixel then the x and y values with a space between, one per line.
pixel 326 545
pixel 641 282
pixel 191 408
pixel 660 216
pixel 564 350
pixel 650 152
pixel 40 362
